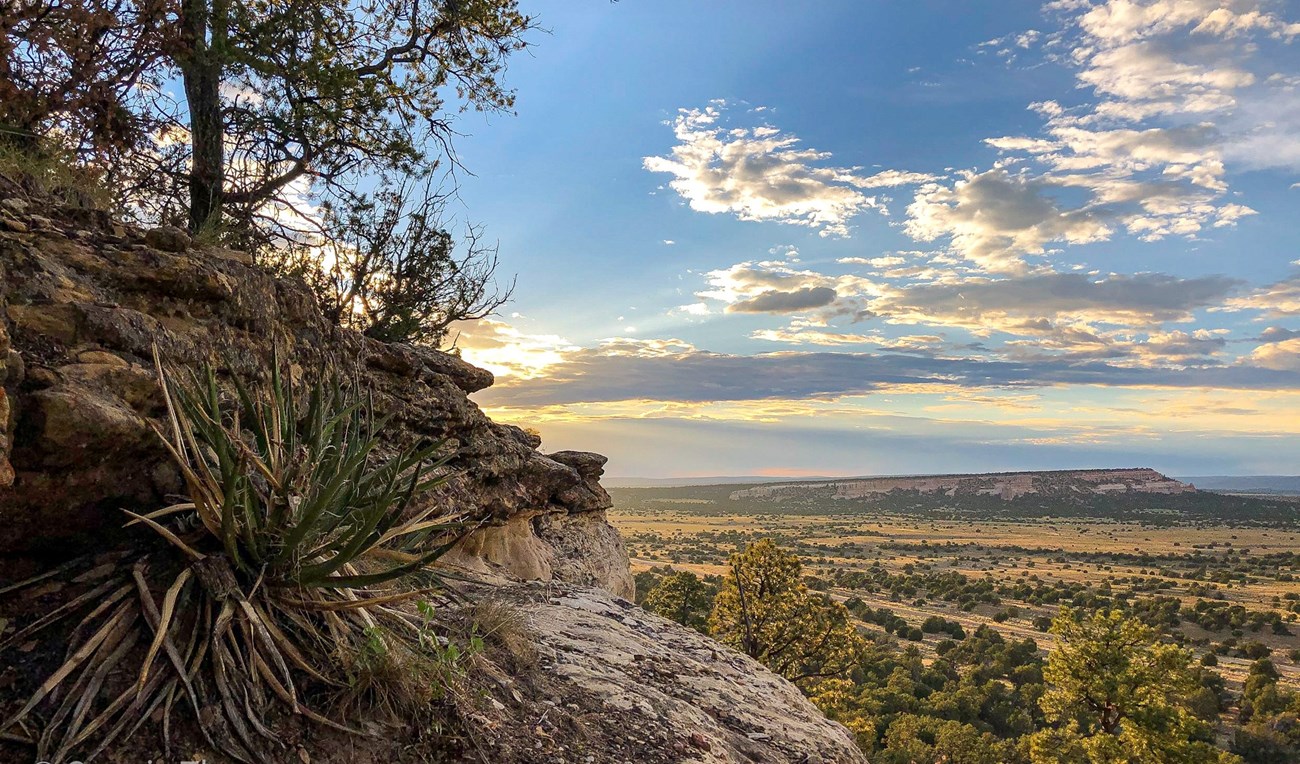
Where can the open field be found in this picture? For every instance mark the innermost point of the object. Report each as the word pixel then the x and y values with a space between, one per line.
pixel 1216 586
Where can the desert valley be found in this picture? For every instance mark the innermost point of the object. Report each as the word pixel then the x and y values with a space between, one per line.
pixel 910 556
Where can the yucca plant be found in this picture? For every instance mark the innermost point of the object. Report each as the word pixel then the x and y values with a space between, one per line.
pixel 294 551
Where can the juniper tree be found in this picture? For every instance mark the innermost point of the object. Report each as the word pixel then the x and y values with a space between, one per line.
pixel 279 95
pixel 392 270
pixel 1118 694
pixel 765 610
pixel 682 597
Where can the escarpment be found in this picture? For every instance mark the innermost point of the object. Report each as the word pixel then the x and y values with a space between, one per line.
pixel 83 303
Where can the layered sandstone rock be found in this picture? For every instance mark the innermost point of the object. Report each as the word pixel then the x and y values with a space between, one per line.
pixel 83 303
pixel 633 687
pixel 1005 485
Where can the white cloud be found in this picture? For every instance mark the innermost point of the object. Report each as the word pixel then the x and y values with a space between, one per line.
pixel 693 309
pixel 1279 300
pixel 995 219
pixel 763 174
pixel 809 336
pixel 780 288
pixel 1281 356
pixel 507 352
pixel 1183 90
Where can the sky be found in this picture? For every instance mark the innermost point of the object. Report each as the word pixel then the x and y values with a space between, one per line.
pixel 851 238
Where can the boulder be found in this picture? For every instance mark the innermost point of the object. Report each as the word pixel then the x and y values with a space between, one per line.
pixel 634 687
pixel 168 238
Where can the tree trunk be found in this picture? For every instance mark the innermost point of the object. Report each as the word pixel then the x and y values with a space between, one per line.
pixel 204 29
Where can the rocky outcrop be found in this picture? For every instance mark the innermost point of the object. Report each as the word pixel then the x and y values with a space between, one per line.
pixel 84 302
pixel 1005 485
pixel 633 687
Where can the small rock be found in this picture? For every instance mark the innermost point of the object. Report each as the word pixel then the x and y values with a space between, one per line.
pixel 42 377
pixel 14 204
pixel 700 741
pixel 101 357
pixel 168 238
pixel 233 255
pixel 13 225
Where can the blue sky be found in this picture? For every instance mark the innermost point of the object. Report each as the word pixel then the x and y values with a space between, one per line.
pixel 876 237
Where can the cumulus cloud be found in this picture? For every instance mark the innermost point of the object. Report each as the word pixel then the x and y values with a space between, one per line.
pixel 1157 349
pixel 1183 90
pixel 1278 334
pixel 1179 347
pixel 1277 300
pixel 763 174
pixel 1280 356
pixel 782 288
pixel 795 301
pixel 1204 59
pixel 995 218
pixel 1171 56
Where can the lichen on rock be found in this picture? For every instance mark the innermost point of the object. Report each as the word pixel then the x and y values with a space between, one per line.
pixel 634 687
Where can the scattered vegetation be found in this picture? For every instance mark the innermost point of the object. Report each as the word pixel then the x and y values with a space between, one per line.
pixel 681 596
pixel 943 669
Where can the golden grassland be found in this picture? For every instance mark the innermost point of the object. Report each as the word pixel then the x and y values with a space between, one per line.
pixel 1004 550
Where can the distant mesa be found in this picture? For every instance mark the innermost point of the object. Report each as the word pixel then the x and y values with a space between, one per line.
pixel 1005 485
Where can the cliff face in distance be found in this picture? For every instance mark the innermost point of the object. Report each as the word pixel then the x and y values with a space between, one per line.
pixel 84 301
pixel 1005 485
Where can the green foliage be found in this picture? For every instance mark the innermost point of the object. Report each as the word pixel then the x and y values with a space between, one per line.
pixel 291 485
pixel 682 597
pixel 287 562
pixel 1117 694
pixel 912 738
pixel 53 170
pixel 765 610
pixel 278 95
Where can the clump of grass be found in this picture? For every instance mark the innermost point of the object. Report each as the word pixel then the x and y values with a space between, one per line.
pixel 501 630
pixel 292 559
pixel 45 167
pixel 397 678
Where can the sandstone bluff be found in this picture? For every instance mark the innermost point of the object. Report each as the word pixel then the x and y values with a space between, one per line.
pixel 83 302
pixel 1004 485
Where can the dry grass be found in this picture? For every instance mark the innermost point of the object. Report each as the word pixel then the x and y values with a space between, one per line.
pixel 508 641
pixel 55 173
pixel 984 548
